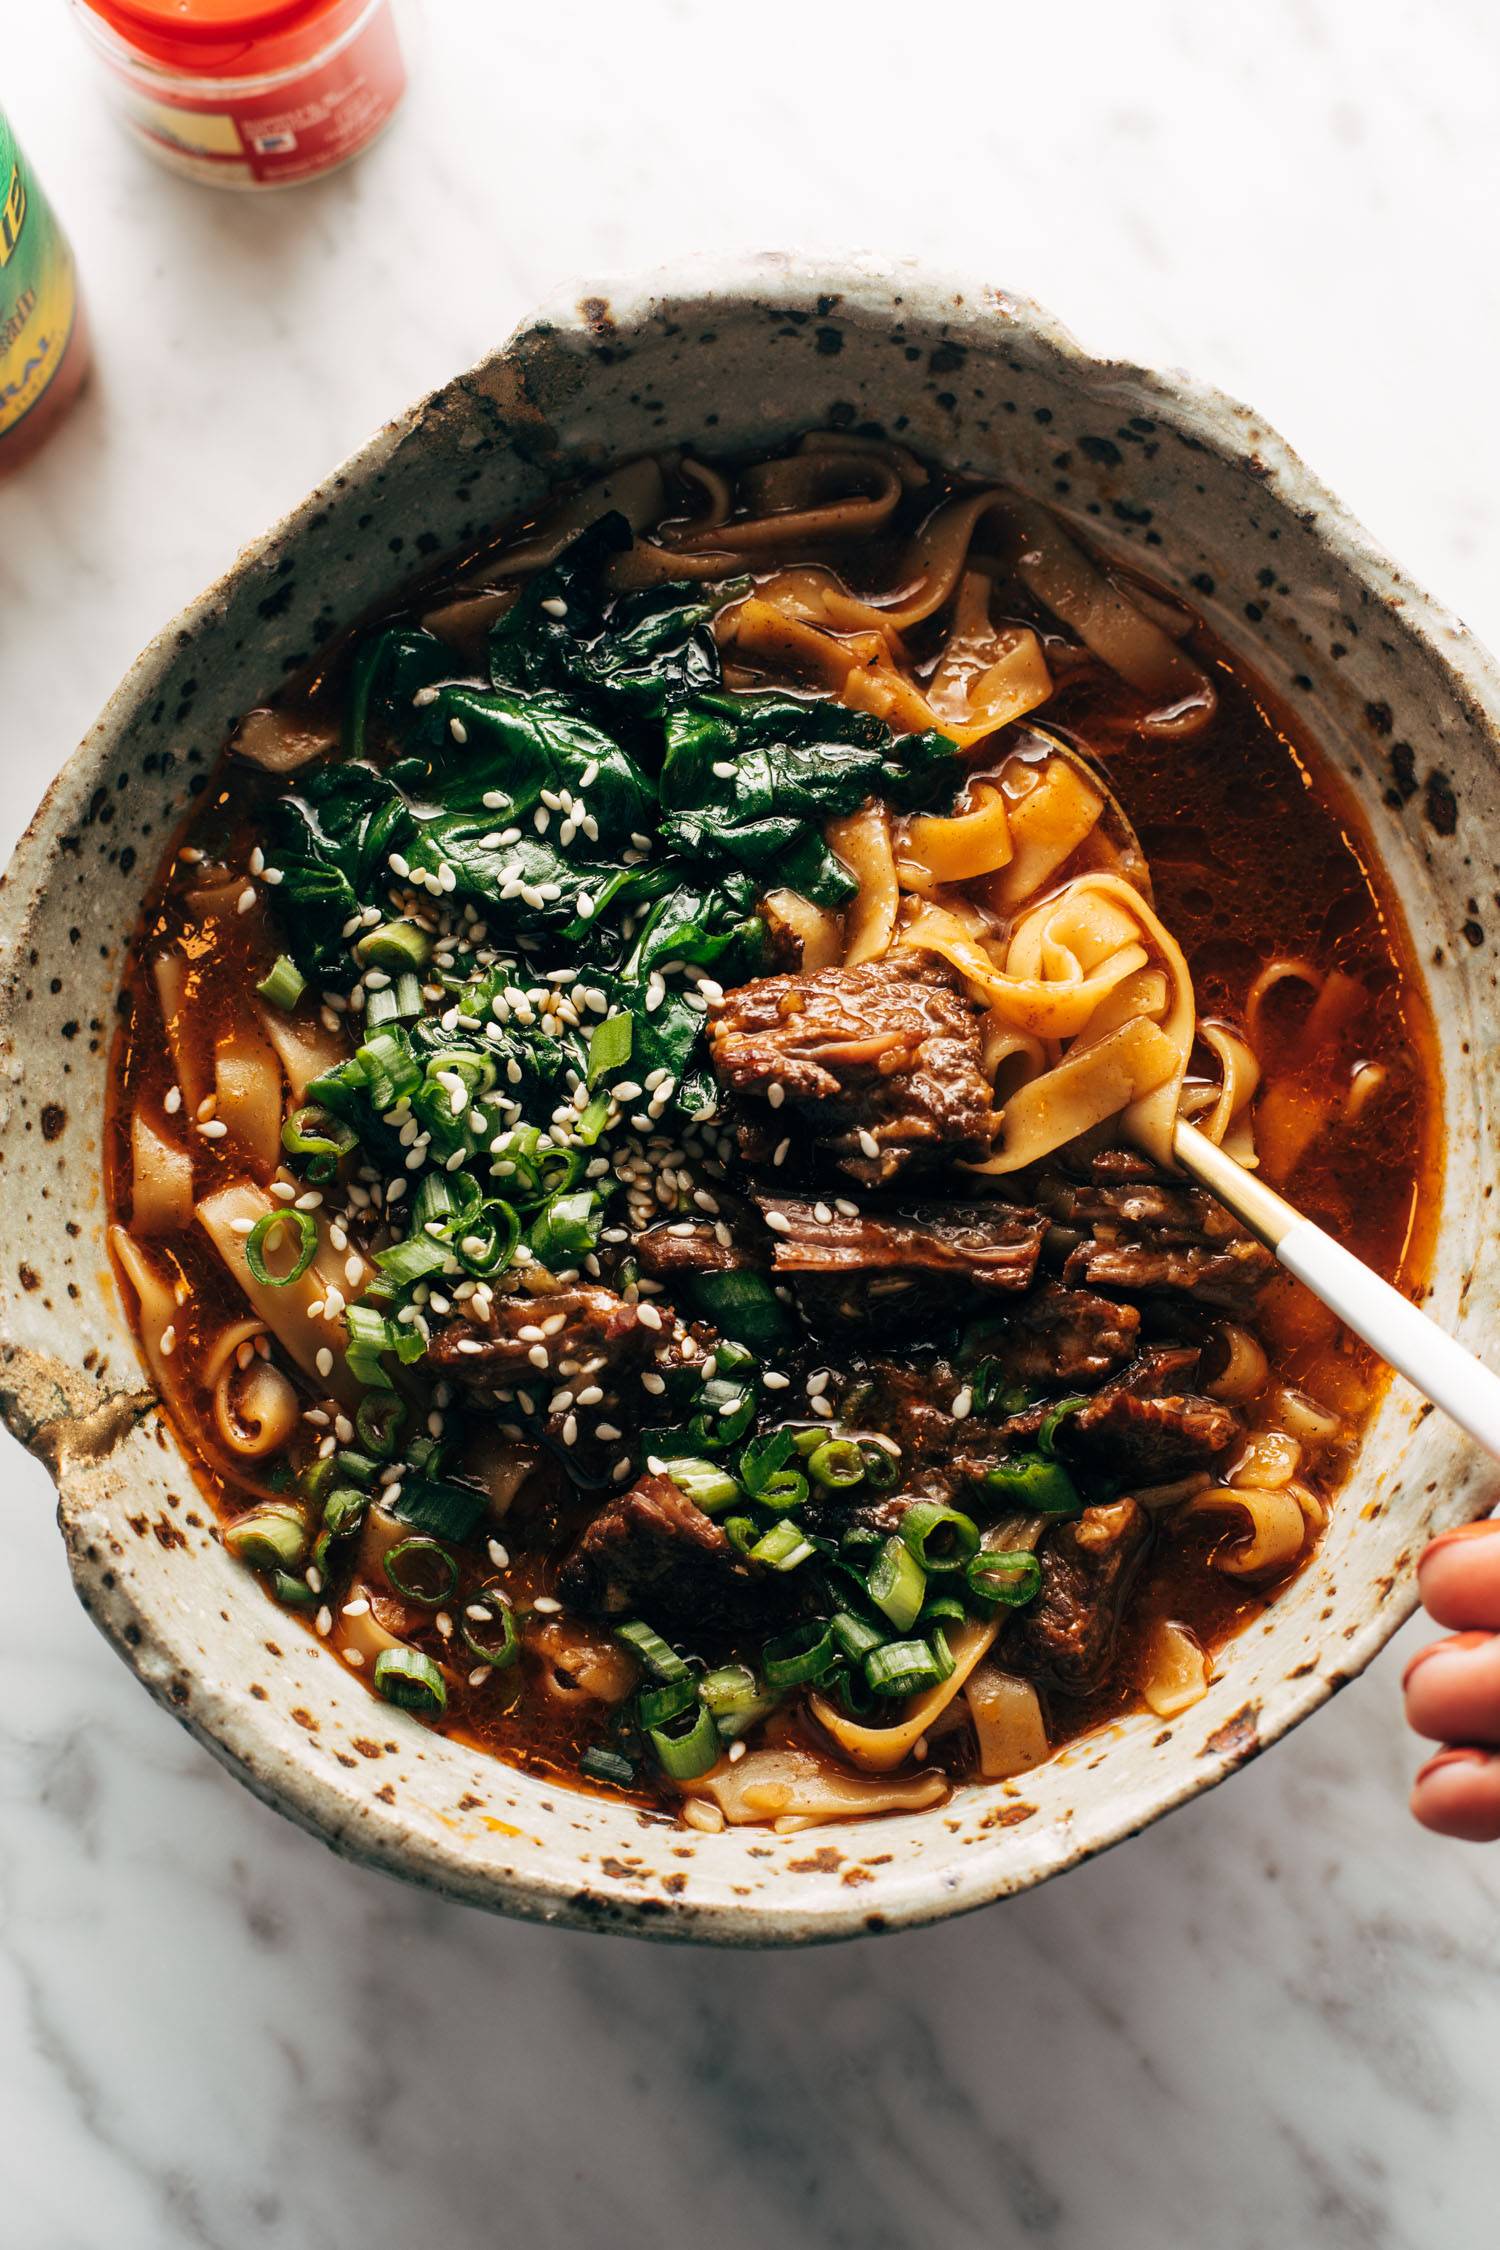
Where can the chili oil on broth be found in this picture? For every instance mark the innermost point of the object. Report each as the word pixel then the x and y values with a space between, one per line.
pixel 1258 861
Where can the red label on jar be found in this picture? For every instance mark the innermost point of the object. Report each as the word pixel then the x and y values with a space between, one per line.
pixel 304 125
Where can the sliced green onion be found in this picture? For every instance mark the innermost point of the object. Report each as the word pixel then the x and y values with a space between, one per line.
pixel 441 1509
pixel 941 1538
pixel 610 1043
pixel 485 1244
pixel 942 1654
pixel 284 984
pixel 395 945
pixel 606 1765
pixel 357 1468
pixel 318 1476
pixel 565 1230
pixel 837 1463
pixel 272 1536
pixel 1055 1415
pixel 1011 1577
pixel 783 1547
pixel 736 1698
pixel 417 1258
pixel 805 1653
pixel 419 1570
pixel 380 1420
pixel 292 1592
pixel 708 1486
pixel 783 1490
pixel 344 1510
pixel 743 1306
pixel 1037 1486
pixel 854 1637
pixel 994 1392
pixel 686 1750
pixel 391 1069
pixel 897 1583
pixel 488 1628
pixel 882 1463
pixel 406 1677
pixel 763 1456
pixel 741 1532
pixel 942 1609
pixel 662 1662
pixel 303 1226
pixel 319 1139
pixel 903 1668
pixel 655 1705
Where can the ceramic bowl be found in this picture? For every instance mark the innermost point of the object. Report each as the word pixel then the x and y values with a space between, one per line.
pixel 1212 503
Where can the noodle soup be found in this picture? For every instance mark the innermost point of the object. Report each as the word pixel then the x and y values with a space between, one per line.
pixel 641 1147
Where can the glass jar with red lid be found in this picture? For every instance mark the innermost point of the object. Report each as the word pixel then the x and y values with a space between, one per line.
pixel 249 93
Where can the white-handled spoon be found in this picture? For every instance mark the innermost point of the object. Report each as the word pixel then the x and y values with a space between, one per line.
pixel 1389 1323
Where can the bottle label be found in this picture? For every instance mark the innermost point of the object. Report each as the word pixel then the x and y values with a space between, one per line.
pixel 38 292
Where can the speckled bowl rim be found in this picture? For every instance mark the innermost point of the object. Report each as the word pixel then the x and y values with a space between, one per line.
pixel 36 1411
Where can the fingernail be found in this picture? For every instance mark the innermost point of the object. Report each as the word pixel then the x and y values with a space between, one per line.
pixel 1453 1758
pixel 1437 1648
pixel 1486 1527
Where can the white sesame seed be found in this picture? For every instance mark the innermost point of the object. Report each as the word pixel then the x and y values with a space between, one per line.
pixel 962 1403
pixel 648 1316
pixel 168 1340
pixel 323 1623
pixel 354 1656
pixel 171 1100
pixel 538 1355
pixel 653 1384
pixel 246 899
pixel 555 606
pixel 324 1360
pixel 817 1384
pixel 869 1146
pixel 458 730
pixel 778 1222
pixel 845 1208
pixel 823 1406
pixel 776 1094
pixel 214 1129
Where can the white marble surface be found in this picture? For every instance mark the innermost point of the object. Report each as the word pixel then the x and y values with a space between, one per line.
pixel 1275 2020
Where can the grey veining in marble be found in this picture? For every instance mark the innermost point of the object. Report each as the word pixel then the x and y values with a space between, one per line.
pixel 1275 2020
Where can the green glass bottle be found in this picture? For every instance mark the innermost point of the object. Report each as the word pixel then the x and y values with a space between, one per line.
pixel 43 342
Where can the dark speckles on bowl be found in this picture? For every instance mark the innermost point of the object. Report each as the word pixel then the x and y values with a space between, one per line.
pixel 1392 685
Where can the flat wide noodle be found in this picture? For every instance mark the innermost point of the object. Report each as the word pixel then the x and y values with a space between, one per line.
pixel 1009 1728
pixel 291 1310
pixel 862 841
pixel 161 1180
pixel 882 1749
pixel 795 1784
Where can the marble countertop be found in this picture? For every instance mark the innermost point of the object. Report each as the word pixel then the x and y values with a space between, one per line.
pixel 1275 2019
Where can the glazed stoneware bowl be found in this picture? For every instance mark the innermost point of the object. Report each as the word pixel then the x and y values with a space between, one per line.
pixel 1209 501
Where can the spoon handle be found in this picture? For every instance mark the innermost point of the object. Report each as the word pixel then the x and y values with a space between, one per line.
pixel 1405 1337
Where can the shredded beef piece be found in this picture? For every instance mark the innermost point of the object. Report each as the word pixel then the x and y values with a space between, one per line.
pixel 1147 1440
pixel 690 1246
pixel 1066 1637
pixel 599 1329
pixel 1067 1336
pixel 1143 1233
pixel 886 1053
pixel 991 1245
pixel 651 1553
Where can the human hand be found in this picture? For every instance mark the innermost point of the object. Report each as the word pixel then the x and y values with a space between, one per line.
pixel 1452 1687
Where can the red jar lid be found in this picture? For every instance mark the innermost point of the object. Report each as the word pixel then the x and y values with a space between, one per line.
pixel 227 36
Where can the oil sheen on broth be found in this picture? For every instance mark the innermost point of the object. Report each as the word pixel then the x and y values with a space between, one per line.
pixel 640 1140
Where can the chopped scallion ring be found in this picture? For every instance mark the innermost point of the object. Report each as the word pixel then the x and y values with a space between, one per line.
pixel 784 1547
pixel 903 1668
pixel 490 1635
pixel 272 1536
pixel 941 1538
pixel 803 1654
pixel 897 1583
pixel 1011 1577
pixel 302 1224
pixel 283 985
pixel 686 1750
pixel 606 1765
pixel 404 1676
pixel 836 1464
pixel 419 1570
pixel 661 1662
pixel 656 1705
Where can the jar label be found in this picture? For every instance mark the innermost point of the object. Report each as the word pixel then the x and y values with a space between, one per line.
pixel 38 290
pixel 306 124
